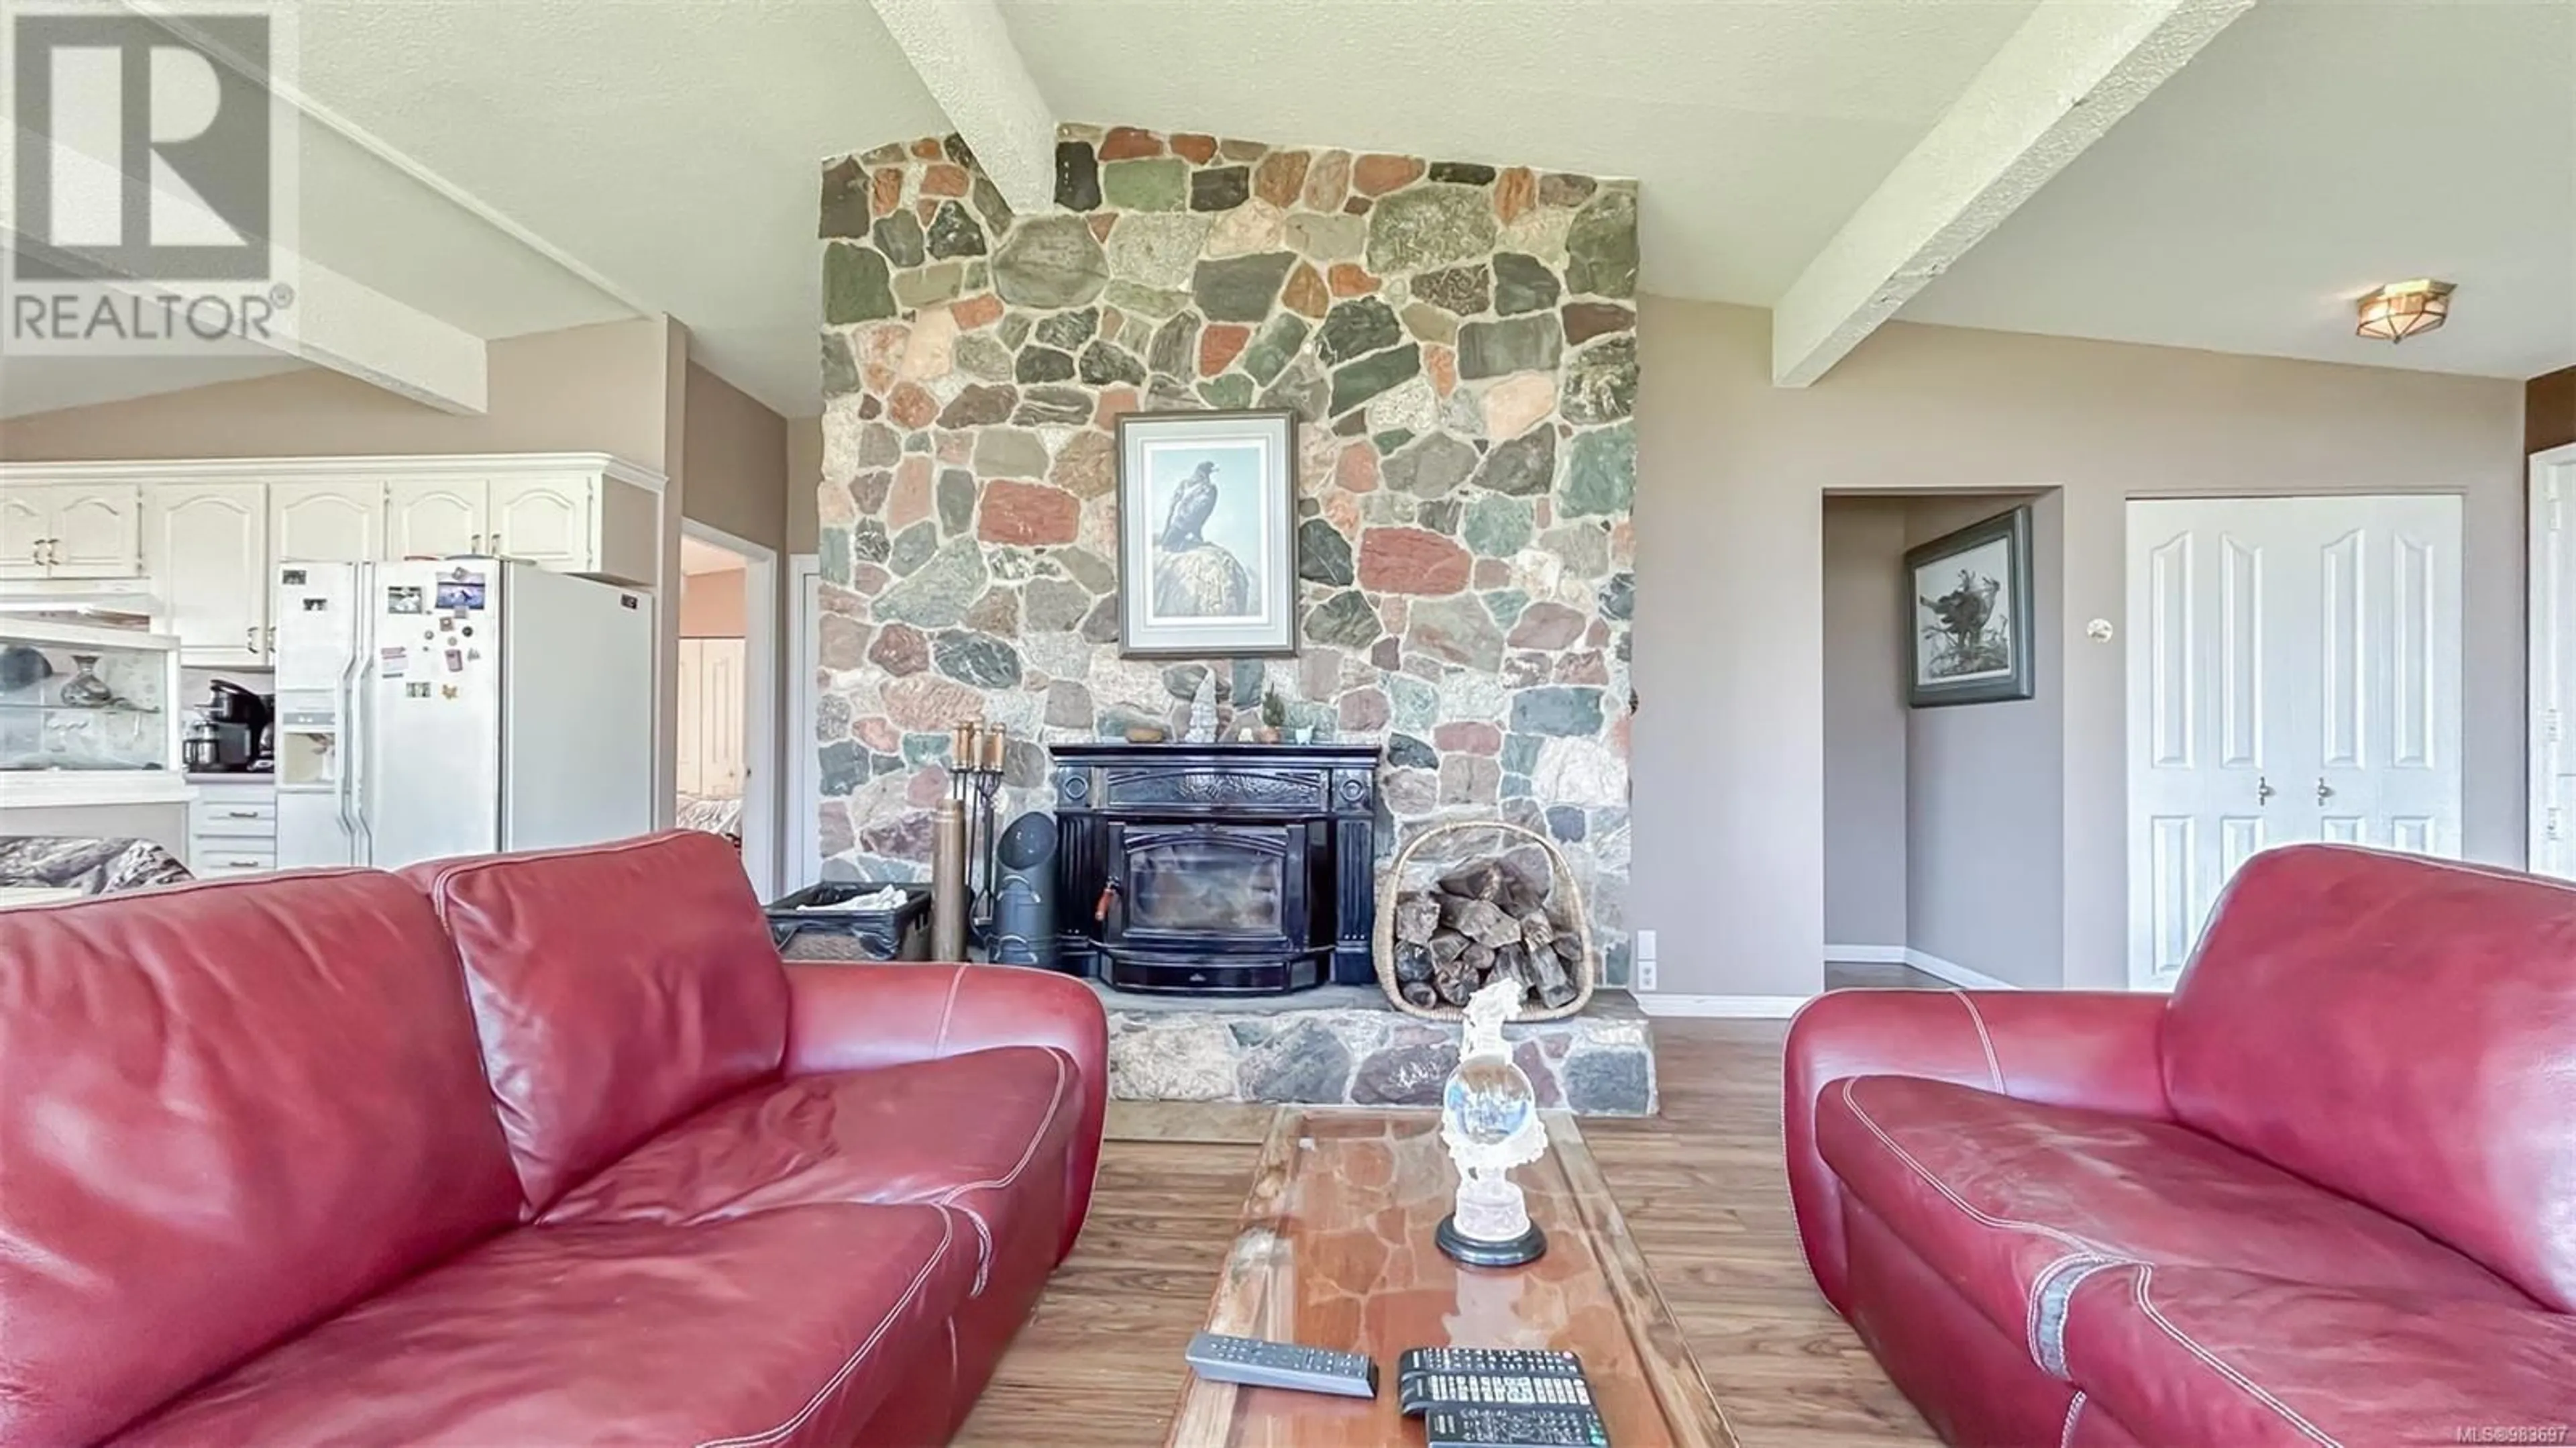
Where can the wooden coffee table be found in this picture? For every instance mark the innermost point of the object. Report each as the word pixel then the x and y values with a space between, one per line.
pixel 1335 1251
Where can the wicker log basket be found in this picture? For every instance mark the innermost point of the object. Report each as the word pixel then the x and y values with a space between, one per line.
pixel 1564 902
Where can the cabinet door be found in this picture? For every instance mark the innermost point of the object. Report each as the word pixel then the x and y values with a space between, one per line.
pixel 545 520
pixel 434 517
pixel 23 530
pixel 326 522
pixel 96 529
pixel 207 545
pixel 690 742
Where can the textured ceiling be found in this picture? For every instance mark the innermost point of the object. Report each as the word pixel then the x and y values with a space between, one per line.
pixel 2312 152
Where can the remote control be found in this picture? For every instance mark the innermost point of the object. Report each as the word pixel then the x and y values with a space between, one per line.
pixel 1520 1361
pixel 1514 1428
pixel 1416 1392
pixel 1257 1362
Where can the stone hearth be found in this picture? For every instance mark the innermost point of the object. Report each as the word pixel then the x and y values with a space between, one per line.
pixel 1343 1046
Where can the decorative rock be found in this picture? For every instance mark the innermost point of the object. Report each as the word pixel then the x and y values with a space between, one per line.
pixel 1327 181
pixel 912 548
pixel 1522 284
pixel 1124 142
pixel 1431 324
pixel 1515 193
pixel 1068 705
pixel 1220 344
pixel 1587 320
pixel 1253 226
pixel 1067 330
pixel 1524 466
pixel 1465 779
pixel 1498 527
pixel 899 237
pixel 1557 711
pixel 978 406
pixel 1407 1075
pixel 1042 364
pixel 1304 1062
pixel 1220 188
pixel 937 594
pixel 1609 1083
pixel 1465 290
pixel 1410 407
pixel 1430 226
pixel 1010 453
pixel 1601 382
pixel 1323 554
pixel 1349 280
pixel 1512 405
pixel 1273 346
pixel 1364 711
pixel 1306 292
pixel 1107 362
pixel 1155 185
pixel 1559 189
pixel 1055 605
pixel 1440 515
pixel 1364 379
pixel 1346 619
pixel 929 286
pixel 956 500
pixel 855 287
pixel 1233 391
pixel 1027 513
pixel 1355 329
pixel 1521 344
pixel 978 355
pixel 1430 468
pixel 1014 329
pixel 1546 625
pixel 926 701
pixel 1619 597
pixel 944 181
pixel 954 233
pixel 1410 560
pixel 840 373
pixel 1469 736
pixel 1601 246
pixel 1050 261
pixel 841 642
pixel 1280 176
pixel 996 613
pixel 1086 467
pixel 1100 626
pixel 1041 405
pixel 1601 473
pixel 1169 351
pixel 1457 630
pixel 1240 289
pixel 1156 250
pixel 848 200
pixel 976 658
pixel 1377 175
pixel 1197 148
pixel 1077 176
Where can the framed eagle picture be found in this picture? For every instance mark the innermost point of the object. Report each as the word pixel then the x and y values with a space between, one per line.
pixel 1207 534
pixel 1968 602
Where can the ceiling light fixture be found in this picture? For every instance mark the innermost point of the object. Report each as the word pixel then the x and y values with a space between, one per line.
pixel 2399 310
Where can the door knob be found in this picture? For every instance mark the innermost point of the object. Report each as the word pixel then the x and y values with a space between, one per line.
pixel 2325 791
pixel 2263 790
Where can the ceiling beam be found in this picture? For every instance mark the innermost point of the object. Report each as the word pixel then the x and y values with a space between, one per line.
pixel 965 55
pixel 2072 70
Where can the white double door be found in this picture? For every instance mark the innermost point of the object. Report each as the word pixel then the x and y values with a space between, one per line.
pixel 2294 674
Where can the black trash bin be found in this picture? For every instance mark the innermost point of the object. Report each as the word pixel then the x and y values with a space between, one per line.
pixel 807 925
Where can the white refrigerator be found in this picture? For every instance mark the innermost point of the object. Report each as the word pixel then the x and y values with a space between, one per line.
pixel 455 707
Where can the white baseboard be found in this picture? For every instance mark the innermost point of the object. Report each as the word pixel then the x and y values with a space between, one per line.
pixel 1865 954
pixel 1775 1008
pixel 1955 973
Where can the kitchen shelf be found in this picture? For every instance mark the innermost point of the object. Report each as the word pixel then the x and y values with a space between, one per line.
pixel 8 708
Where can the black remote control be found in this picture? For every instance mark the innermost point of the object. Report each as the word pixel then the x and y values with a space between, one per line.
pixel 1545 1362
pixel 1514 1428
pixel 1260 1363
pixel 1416 1392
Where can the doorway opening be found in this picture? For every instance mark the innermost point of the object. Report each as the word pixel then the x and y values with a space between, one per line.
pixel 1943 824
pixel 2293 675
pixel 726 744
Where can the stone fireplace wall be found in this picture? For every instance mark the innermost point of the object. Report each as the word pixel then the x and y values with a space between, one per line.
pixel 1459 342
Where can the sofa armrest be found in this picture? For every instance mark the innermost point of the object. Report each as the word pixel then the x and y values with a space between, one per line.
pixel 2094 1049
pixel 853 1017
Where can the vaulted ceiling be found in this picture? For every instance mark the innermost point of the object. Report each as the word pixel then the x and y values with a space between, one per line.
pixel 516 165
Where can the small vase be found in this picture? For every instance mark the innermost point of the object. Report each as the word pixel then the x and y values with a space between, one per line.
pixel 85 689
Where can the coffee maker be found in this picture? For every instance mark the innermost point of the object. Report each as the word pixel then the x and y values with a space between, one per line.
pixel 233 735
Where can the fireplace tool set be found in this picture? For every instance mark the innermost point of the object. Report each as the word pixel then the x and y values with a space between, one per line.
pixel 964 839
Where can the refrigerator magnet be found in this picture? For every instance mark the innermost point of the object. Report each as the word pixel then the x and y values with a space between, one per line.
pixel 456 661
pixel 403 598
pixel 393 661
pixel 416 691
pixel 461 590
pixel 447 691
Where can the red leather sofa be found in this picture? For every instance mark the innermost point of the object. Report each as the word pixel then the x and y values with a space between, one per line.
pixel 545 1149
pixel 2325 1195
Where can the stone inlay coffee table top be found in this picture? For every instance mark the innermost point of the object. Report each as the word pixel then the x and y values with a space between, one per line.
pixel 1335 1250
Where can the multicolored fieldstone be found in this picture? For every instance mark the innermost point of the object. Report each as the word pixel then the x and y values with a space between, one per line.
pixel 1458 341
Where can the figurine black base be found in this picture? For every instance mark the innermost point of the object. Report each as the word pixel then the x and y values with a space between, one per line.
pixel 1527 1247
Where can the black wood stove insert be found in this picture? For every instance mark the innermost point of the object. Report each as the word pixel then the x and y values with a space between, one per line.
pixel 1217 869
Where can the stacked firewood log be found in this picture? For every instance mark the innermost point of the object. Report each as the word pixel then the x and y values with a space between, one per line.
pixel 1482 921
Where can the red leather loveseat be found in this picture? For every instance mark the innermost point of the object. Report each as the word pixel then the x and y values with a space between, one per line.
pixel 536 1150
pixel 2326 1195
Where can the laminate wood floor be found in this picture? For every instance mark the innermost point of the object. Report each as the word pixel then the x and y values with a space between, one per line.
pixel 1100 1363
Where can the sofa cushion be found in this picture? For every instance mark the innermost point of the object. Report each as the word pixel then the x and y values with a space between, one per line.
pixel 226 1111
pixel 2015 1202
pixel 2402 1031
pixel 616 989
pixel 786 1327
pixel 985 1132
pixel 2194 1355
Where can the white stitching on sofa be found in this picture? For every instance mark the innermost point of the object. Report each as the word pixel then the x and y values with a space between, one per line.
pixel 2051 1294
pixel 948 1198
pixel 831 1385
pixel 1985 1038
pixel 2146 1305
pixel 2074 1410
pixel 948 1008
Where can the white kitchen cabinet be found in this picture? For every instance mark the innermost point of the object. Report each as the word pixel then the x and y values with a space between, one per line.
pixel 327 522
pixel 70 530
pixel 206 549
pixel 436 516
pixel 232 826
pixel 546 520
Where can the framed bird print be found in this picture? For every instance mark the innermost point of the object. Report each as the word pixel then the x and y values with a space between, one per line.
pixel 1968 600
pixel 1207 534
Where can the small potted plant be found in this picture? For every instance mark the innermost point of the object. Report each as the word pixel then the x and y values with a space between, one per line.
pixel 1274 713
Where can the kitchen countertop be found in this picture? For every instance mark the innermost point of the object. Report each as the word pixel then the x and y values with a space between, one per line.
pixel 233 776
pixel 57 788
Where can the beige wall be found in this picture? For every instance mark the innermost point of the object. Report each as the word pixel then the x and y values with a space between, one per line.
pixel 1864 722
pixel 584 389
pixel 1729 739
pixel 711 605
pixel 804 480
pixel 736 459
